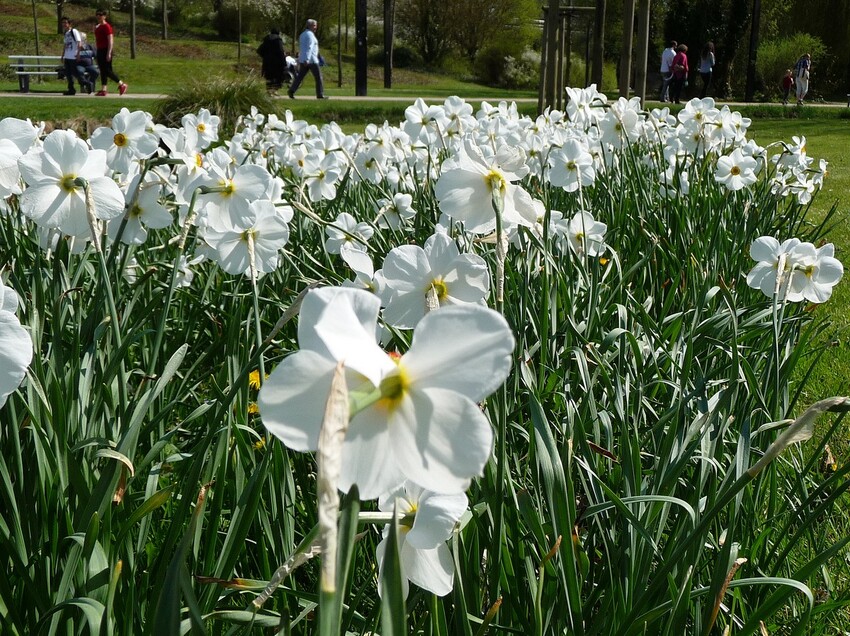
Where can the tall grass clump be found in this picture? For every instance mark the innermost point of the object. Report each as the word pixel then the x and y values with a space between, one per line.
pixel 475 373
pixel 229 99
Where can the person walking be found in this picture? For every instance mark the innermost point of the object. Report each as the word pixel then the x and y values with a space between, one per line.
pixel 666 69
pixel 103 38
pixel 680 73
pixel 787 83
pixel 706 66
pixel 71 58
pixel 274 59
pixel 308 61
pixel 802 70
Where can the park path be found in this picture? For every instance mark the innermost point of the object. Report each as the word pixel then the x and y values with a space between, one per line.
pixel 383 98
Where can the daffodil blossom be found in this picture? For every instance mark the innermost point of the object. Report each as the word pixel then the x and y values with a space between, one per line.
pixel 418 418
pixel 427 523
pixel 15 345
pixel 585 234
pixel 347 231
pixel 265 226
pixel 807 272
pixel 127 141
pixel 55 174
pixel 412 273
pixel 736 171
pixel 145 212
pixel 470 183
pixel 571 166
pixel 204 124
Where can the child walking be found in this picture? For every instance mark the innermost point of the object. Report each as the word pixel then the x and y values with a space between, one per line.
pixel 787 84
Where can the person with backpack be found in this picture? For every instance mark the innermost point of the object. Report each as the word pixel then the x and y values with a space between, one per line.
pixel 71 58
pixel 801 76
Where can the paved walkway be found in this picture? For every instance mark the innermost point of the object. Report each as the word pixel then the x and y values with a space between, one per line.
pixel 383 98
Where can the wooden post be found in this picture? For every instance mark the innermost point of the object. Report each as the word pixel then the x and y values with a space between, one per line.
pixel 559 68
pixel 541 87
pixel 238 33
pixel 568 66
pixel 35 27
pixel 598 43
pixel 360 51
pixel 626 50
pixel 642 49
pixel 552 50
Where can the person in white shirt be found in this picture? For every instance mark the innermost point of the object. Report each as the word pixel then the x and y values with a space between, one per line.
pixel 71 59
pixel 666 71
pixel 308 61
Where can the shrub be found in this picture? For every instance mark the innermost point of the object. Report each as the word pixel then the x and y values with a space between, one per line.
pixel 229 99
pixel 775 56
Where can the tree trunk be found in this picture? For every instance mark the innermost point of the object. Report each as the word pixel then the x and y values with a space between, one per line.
pixel 388 43
pixel 133 29
pixel 164 19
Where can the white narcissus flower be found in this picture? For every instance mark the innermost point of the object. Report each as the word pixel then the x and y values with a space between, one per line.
pixel 268 228
pixel 808 273
pixel 410 273
pixel 586 235
pixel 146 212
pixel 321 183
pixel 429 520
pixel 420 420
pixel 127 141
pixel 571 166
pixel 394 213
pixel 347 231
pixel 469 182
pixel 815 279
pixel 204 124
pixel 15 345
pixel 10 174
pixel 233 188
pixel 54 197
pixel 736 171
pixel 768 252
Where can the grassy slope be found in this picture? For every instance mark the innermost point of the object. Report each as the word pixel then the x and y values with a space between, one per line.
pixel 161 66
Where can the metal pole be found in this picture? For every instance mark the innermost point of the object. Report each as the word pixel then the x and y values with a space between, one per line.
pixel 360 50
pixel 388 44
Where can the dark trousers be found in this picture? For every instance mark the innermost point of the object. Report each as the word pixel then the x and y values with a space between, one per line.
pixel 105 67
pixel 676 86
pixel 303 69
pixel 706 82
pixel 72 71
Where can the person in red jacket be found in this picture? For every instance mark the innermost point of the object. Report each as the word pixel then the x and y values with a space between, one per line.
pixel 103 37
pixel 680 73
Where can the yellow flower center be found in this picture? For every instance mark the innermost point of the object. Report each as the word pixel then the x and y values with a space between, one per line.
pixel 120 140
pixel 393 387
pixel 495 181
pixel 440 289
pixel 67 183
pixel 246 235
pixel 228 188
pixel 809 271
pixel 571 165
pixel 201 128
pixel 199 160
pixel 135 211
pixel 735 171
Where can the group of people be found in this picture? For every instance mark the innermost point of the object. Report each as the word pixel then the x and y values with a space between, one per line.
pixel 675 70
pixel 78 57
pixel 798 78
pixel 279 68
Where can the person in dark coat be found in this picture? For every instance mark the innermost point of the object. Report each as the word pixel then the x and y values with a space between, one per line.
pixel 274 59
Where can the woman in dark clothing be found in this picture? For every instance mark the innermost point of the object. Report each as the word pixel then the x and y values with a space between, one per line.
pixel 274 59
pixel 679 65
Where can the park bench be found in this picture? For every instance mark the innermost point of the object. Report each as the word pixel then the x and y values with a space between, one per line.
pixel 28 65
